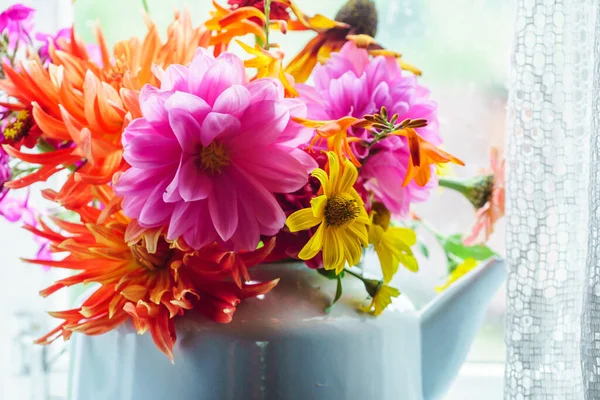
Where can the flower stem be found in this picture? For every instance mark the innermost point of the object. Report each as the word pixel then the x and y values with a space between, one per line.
pixel 372 286
pixel 267 22
pixel 145 5
pixel 354 274
pixel 432 229
pixel 453 184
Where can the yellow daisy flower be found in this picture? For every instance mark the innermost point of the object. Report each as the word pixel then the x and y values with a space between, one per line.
pixel 341 214
pixel 381 298
pixel 391 244
pixel 461 270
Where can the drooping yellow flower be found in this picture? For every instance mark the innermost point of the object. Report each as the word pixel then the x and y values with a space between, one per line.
pixel 340 214
pixel 461 270
pixel 268 64
pixel 381 297
pixel 392 244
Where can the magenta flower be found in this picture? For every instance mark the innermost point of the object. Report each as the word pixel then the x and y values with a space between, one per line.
pixel 17 22
pixel 62 38
pixel 210 153
pixel 17 209
pixel 5 173
pixel 47 38
pixel 351 83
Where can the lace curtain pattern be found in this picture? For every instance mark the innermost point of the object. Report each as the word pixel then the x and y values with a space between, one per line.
pixel 553 202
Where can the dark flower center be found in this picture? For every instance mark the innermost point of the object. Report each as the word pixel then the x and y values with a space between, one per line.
pixel 381 215
pixel 340 210
pixel 361 15
pixel 481 191
pixel 213 158
pixel 19 127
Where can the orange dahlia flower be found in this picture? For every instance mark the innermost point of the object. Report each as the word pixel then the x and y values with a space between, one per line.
pixel 146 280
pixel 74 100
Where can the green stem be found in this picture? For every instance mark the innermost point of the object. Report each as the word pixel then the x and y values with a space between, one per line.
pixel 432 229
pixel 267 23
pixel 354 274
pixel 145 5
pixel 453 184
pixel 371 285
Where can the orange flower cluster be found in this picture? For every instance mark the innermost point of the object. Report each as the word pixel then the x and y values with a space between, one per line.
pixel 144 278
pixel 85 106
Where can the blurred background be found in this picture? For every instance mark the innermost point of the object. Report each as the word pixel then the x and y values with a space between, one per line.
pixel 462 46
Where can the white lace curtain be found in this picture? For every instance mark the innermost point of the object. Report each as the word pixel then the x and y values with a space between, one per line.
pixel 553 243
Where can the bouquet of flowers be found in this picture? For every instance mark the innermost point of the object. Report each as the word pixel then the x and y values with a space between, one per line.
pixel 184 163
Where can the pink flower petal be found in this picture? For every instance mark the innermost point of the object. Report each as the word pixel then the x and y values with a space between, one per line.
pixel 193 183
pixel 202 61
pixel 264 122
pixel 222 205
pixel 151 152
pixel 266 89
pixel 264 206
pixel 152 104
pixel 279 172
pixel 194 105
pixel 233 100
pixel 185 215
pixel 186 129
pixel 171 194
pixel 154 211
pixel 247 237
pixel 175 78
pixel 224 73
pixel 216 125
pixel 201 233
pixel 138 127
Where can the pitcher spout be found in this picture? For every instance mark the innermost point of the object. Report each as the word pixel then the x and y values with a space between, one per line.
pixel 450 322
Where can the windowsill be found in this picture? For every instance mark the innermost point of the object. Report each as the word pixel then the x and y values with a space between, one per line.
pixel 478 381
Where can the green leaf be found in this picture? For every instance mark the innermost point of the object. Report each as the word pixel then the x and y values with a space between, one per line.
pixel 424 249
pixel 329 274
pixel 453 244
pixel 338 294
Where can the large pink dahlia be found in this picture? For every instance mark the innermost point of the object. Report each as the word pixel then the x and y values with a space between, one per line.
pixel 353 84
pixel 211 151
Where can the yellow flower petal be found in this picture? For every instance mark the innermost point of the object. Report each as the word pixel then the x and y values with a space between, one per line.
pixel 352 249
pixel 461 270
pixel 405 235
pixel 324 179
pixel 360 231
pixel 314 245
pixel 383 298
pixel 318 206
pixel 302 220
pixel 333 251
pixel 334 171
pixel 348 178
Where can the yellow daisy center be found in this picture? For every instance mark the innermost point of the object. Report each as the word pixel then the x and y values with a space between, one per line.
pixel 340 210
pixel 213 158
pixel 19 128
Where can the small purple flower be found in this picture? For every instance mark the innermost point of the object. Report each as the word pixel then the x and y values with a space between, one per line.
pixel 4 173
pixel 16 209
pixel 17 22
pixel 48 38
pixel 63 38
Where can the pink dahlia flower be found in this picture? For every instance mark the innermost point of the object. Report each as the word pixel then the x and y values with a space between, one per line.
pixel 211 152
pixel 353 84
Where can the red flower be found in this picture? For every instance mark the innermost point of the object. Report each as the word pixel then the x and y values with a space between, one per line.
pixel 278 11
